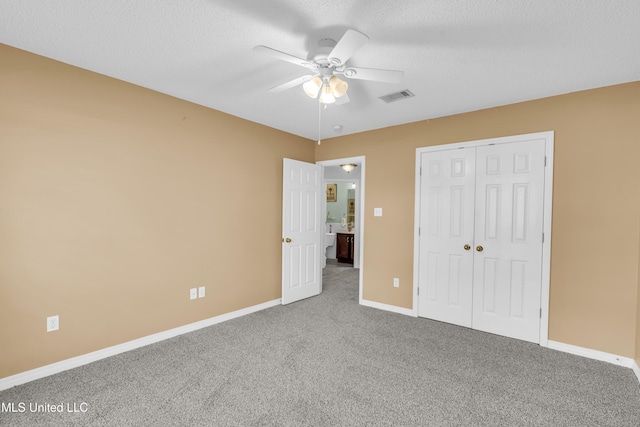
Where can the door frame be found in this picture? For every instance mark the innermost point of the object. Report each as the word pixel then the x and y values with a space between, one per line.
pixel 360 192
pixel 548 136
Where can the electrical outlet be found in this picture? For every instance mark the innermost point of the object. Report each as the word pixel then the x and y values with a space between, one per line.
pixel 193 293
pixel 201 292
pixel 53 323
pixel 396 282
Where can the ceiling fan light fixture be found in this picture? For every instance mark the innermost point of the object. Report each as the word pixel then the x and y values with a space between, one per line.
pixel 312 87
pixel 326 95
pixel 348 167
pixel 338 87
pixel 330 58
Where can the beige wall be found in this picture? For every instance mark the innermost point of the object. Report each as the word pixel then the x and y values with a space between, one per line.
pixel 116 200
pixel 596 206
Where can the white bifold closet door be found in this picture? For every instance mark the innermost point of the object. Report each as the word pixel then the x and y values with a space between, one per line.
pixel 481 224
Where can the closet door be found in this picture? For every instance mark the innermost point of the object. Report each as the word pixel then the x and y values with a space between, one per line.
pixel 446 235
pixel 507 268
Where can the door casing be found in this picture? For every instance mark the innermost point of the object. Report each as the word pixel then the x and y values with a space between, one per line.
pixel 547 211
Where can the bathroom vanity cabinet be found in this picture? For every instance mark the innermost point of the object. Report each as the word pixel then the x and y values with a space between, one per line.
pixel 344 248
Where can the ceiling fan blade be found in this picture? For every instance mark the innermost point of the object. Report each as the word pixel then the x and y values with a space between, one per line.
pixel 285 57
pixel 350 42
pixel 290 84
pixel 387 76
pixel 342 100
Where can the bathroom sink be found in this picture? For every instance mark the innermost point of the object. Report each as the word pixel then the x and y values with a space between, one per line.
pixel 329 239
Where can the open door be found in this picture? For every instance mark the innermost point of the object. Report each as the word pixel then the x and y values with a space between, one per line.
pixel 301 230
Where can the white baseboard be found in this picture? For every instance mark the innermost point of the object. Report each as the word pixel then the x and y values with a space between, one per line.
pixel 85 359
pixel 387 307
pixel 597 355
pixel 592 354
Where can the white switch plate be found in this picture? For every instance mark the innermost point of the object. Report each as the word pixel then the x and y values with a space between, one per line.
pixel 396 282
pixel 377 211
pixel 201 292
pixel 193 293
pixel 53 323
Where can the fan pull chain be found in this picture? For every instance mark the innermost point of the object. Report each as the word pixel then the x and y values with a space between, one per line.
pixel 319 112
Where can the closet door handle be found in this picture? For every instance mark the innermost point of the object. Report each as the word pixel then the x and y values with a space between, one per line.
pixel 479 248
pixel 467 247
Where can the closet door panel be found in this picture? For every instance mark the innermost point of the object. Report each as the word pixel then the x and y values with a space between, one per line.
pixel 508 239
pixel 446 224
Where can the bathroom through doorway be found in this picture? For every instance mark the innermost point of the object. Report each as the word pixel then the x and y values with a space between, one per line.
pixel 343 207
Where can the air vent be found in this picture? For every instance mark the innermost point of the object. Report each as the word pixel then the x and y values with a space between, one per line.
pixel 393 97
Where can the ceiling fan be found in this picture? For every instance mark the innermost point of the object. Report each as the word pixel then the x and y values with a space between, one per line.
pixel 327 62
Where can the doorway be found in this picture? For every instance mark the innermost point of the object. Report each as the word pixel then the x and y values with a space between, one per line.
pixel 347 181
pixel 341 217
pixel 482 247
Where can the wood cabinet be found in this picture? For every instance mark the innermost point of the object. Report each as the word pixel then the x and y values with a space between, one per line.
pixel 344 247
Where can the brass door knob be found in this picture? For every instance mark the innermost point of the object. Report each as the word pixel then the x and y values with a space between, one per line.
pixel 288 240
pixel 467 247
pixel 479 248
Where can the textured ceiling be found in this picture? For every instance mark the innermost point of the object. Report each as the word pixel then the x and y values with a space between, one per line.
pixel 457 55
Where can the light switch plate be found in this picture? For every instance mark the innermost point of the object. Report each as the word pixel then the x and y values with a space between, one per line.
pixel 377 211
pixel 201 292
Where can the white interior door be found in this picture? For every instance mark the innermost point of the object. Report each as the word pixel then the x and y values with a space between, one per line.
pixel 301 230
pixel 508 245
pixel 446 235
pixel 480 245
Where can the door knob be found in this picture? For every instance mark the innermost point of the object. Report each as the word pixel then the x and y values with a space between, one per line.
pixel 467 247
pixel 288 240
pixel 479 248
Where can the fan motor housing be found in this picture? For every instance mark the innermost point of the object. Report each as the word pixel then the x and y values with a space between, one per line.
pixel 321 54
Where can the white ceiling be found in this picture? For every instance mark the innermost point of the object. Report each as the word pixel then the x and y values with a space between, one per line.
pixel 457 55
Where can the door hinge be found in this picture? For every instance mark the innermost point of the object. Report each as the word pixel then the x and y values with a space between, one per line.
pixel 545 161
pixel 542 237
pixel 541 313
pixel 418 291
